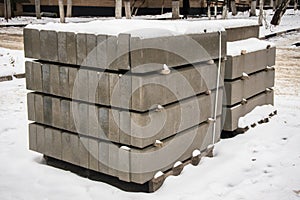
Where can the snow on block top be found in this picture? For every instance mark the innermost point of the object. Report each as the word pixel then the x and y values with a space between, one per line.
pixel 248 56
pixel 137 45
pixel 240 29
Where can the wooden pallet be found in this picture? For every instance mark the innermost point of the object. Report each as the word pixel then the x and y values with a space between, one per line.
pixel 148 187
pixel 231 134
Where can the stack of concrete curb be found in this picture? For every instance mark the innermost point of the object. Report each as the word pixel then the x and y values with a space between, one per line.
pixel 249 78
pixel 124 104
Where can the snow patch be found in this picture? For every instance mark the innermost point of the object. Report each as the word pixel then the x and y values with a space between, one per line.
pixel 257 114
pixel 249 45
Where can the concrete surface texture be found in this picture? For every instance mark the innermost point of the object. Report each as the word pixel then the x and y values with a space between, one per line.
pixel 121 105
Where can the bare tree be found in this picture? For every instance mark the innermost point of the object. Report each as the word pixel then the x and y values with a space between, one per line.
pixel 175 9
pixel 295 4
pixel 261 12
pixel 61 11
pixel 7 9
pixel 253 8
pixel 38 9
pixel 69 8
pixel 225 10
pixel 118 9
pixel 233 7
pixel 279 12
pixel 127 9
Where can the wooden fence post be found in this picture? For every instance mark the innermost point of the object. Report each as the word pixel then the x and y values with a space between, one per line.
pixel 61 11
pixel 38 9
pixel 127 9
pixel 175 9
pixel 118 9
pixel 69 8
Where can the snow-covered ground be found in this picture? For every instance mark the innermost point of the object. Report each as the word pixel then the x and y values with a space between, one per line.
pixel 264 163
pixel 11 62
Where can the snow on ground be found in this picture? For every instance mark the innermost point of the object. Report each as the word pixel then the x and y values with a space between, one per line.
pixel 11 62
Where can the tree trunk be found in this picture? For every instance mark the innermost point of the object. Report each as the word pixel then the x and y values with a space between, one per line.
pixel 127 9
pixel 175 9
pixel 274 4
pixel 253 8
pixel 208 11
pixel 224 12
pixel 38 9
pixel 118 9
pixel 69 8
pixel 61 11
pixel 7 9
pixel 261 12
pixel 233 7
pixel 215 11
pixel 162 7
pixel 295 4
pixel 279 12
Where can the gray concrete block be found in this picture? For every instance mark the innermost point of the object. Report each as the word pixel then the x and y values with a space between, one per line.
pixel 53 143
pixel 150 54
pixel 146 162
pixel 101 51
pixel 111 52
pixel 123 52
pixel 103 157
pixel 241 32
pixel 32 137
pixel 35 44
pixel 73 73
pixel 49 45
pixel 165 89
pixel 113 125
pixel 46 78
pixel 27 42
pixel 74 116
pixel 54 80
pixel 232 114
pixel 29 76
pixel 83 123
pixel 62 47
pixel 103 89
pixel 70 148
pixel 47 109
pixel 104 123
pixel 94 126
pixel 91 50
pixel 31 106
pixel 57 115
pixel 64 89
pixel 93 92
pixel 249 63
pixel 39 108
pixel 71 48
pixel 37 74
pixel 240 89
pixel 40 139
pixel 65 114
pixel 93 154
pixel 143 129
pixel 124 164
pixel 81 49
pixel 113 159
pixel 83 84
pixel 83 152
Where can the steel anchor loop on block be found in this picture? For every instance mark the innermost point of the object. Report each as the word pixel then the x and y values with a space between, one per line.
pixel 166 70
pixel 158 143
pixel 268 68
pixel 159 108
pixel 210 62
pixel 177 168
pixel 210 120
pixel 243 52
pixel 208 92
pixel 245 76
pixel 244 101
pixel 196 157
